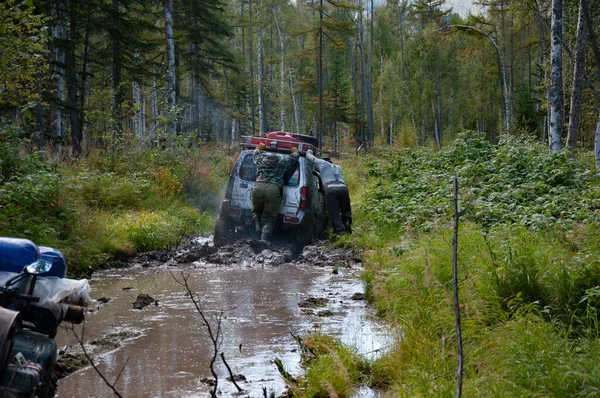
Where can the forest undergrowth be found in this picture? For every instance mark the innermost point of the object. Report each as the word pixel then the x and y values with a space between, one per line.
pixel 102 208
pixel 528 265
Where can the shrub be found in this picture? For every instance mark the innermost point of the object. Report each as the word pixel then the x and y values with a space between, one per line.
pixel 517 182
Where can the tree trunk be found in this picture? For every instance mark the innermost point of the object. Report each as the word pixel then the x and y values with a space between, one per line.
pixel 83 88
pixel 503 75
pixel 596 51
pixel 250 57
pixel 72 86
pixel 320 74
pixel 137 115
pixel 436 131
pixel 282 73
pixel 370 85
pixel 365 86
pixel 59 33
pixel 597 144
pixel 170 56
pixel 438 89
pixel 578 74
pixel 117 80
pixel 357 110
pixel 259 75
pixel 556 77
pixel 381 92
pixel 40 113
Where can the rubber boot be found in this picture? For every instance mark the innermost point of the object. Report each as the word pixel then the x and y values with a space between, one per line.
pixel 257 226
pixel 347 225
pixel 267 231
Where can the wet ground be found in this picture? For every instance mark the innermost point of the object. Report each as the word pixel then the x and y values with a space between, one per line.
pixel 263 294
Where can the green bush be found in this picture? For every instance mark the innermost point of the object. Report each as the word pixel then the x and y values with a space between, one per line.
pixel 517 181
pixel 106 206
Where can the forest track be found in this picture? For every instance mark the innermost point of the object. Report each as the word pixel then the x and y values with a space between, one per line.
pixel 268 290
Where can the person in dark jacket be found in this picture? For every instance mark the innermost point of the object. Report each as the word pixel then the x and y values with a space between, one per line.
pixel 266 195
pixel 337 197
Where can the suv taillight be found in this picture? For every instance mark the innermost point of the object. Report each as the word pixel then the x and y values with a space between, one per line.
pixel 304 197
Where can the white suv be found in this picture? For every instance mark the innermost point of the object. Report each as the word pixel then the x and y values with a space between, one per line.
pixel 302 207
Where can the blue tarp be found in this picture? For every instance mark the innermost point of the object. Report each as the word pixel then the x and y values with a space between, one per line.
pixel 56 258
pixel 16 253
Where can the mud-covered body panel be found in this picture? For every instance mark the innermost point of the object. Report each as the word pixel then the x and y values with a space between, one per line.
pixel 236 209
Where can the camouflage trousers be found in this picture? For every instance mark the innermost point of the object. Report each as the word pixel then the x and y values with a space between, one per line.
pixel 266 199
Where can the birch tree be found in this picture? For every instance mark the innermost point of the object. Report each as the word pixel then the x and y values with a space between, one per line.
pixel 171 83
pixel 555 99
pixel 578 74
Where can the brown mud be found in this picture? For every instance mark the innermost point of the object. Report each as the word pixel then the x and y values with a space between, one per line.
pixel 263 294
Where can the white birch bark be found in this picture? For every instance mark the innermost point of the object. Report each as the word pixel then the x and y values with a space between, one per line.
pixel 233 129
pixel 170 55
pixel 59 32
pixel 137 106
pixel 282 73
pixel 436 130
pixel 259 78
pixel 578 74
pixel 556 77
pixel 294 102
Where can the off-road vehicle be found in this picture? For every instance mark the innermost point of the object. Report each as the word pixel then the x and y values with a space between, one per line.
pixel 301 215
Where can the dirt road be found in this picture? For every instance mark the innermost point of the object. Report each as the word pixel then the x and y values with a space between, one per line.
pixel 261 293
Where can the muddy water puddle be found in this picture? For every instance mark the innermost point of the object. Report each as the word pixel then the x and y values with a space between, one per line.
pixel 166 350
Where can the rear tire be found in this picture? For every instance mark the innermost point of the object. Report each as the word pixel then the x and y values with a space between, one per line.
pixel 221 234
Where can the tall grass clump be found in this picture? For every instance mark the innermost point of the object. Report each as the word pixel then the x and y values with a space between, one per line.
pixel 108 205
pixel 332 369
pixel 529 269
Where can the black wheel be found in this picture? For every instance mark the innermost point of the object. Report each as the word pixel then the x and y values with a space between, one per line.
pixel 221 234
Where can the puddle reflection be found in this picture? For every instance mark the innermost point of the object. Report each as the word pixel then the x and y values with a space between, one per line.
pixel 260 310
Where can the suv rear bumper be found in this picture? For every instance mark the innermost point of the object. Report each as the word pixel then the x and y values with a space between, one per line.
pixel 237 217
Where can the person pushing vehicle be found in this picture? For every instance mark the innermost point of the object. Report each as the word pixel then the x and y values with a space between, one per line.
pixel 266 195
pixel 337 197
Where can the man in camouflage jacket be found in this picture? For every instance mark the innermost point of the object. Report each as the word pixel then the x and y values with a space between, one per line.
pixel 266 195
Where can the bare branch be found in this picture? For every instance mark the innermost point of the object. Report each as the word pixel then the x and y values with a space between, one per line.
pixel 80 340
pixel 230 373
pixel 214 335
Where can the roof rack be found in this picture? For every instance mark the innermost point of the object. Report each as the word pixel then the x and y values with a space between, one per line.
pixel 277 141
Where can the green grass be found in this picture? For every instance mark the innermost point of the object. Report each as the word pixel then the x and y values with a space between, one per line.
pixel 332 369
pixel 529 268
pixel 110 206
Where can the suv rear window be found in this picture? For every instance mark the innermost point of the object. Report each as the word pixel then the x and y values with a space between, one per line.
pixel 248 172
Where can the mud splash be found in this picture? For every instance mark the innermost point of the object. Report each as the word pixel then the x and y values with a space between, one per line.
pixel 259 290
